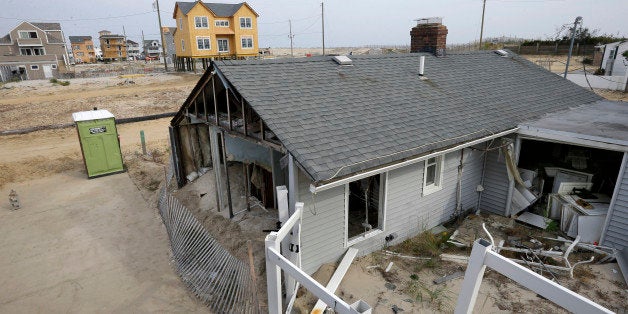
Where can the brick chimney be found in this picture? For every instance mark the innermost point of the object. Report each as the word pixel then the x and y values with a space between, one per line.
pixel 429 35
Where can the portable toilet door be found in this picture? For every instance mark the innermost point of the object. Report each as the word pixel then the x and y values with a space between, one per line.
pixel 99 141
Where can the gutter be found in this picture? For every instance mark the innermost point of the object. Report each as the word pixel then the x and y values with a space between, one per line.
pixel 322 187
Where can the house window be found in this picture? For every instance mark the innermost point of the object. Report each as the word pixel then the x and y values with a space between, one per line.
pixel 181 23
pixel 27 34
pixel 245 22
pixel 182 44
pixel 77 47
pixel 26 52
pixel 222 23
pixel 80 54
pixel 203 43
pixel 223 45
pixel 54 66
pixel 364 208
pixel 39 51
pixel 107 41
pixel 90 47
pixel 247 42
pixel 201 22
pixel 433 175
pixel 34 67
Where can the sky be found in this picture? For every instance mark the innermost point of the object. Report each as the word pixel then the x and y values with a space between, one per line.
pixel 348 23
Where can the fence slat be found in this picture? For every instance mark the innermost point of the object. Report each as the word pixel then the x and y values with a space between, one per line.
pixel 210 272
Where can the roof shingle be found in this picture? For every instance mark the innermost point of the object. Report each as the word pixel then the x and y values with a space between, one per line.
pixel 337 120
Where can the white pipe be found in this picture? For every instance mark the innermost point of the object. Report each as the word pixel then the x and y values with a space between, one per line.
pixel 323 187
pixel 421 65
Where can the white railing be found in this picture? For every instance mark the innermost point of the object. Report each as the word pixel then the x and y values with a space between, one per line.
pixel 483 255
pixel 276 263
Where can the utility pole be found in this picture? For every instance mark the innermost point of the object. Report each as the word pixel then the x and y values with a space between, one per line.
pixel 291 36
pixel 323 24
pixel 163 41
pixel 125 44
pixel 482 27
pixel 143 46
pixel 573 37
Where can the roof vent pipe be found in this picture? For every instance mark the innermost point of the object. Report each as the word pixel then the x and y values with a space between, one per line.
pixel 421 65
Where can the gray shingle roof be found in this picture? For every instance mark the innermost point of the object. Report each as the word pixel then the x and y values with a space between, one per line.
pixel 337 120
pixel 48 26
pixel 79 39
pixel 6 39
pixel 220 9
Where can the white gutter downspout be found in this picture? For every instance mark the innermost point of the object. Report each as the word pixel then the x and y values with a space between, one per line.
pixel 315 189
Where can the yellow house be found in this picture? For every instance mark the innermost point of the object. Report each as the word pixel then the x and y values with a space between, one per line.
pixel 83 49
pixel 215 30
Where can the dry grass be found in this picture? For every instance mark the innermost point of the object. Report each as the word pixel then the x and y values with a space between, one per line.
pixel 425 244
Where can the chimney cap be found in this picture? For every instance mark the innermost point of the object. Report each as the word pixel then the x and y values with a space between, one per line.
pixel 429 20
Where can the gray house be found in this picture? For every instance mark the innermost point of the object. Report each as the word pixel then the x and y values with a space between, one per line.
pixel 379 151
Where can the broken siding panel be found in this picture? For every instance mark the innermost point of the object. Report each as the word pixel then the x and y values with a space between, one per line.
pixel 323 225
pixel 617 231
pixel 495 184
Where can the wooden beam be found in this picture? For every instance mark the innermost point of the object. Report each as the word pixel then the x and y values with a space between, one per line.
pixel 261 124
pixel 336 278
pixel 244 118
pixel 215 101
pixel 247 186
pixel 224 157
pixel 228 110
pixel 204 103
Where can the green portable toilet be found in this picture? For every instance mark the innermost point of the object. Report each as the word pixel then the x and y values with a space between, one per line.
pixel 99 142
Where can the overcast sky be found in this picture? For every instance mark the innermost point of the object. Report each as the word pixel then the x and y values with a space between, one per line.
pixel 347 22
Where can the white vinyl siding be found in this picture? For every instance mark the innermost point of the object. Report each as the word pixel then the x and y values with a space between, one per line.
pixel 433 175
pixel 495 184
pixel 616 234
pixel 407 211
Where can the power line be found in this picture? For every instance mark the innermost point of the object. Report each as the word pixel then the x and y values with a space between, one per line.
pixel 72 20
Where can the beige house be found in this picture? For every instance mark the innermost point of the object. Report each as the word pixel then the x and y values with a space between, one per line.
pixel 33 51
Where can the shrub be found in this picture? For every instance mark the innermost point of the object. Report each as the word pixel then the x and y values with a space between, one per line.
pixel 587 60
pixel 54 81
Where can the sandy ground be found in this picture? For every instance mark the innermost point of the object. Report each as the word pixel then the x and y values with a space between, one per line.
pixel 80 245
pixel 409 284
pixel 49 103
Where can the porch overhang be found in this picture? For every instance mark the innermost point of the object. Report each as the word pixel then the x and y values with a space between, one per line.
pixel 601 125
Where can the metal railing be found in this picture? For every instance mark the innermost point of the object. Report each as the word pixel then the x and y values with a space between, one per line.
pixel 214 275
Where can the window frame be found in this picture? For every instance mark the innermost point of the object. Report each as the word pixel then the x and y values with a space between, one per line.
pixel 437 185
pixel 209 41
pixel 224 22
pixel 245 18
pixel 182 44
pixel 34 67
pixel 53 66
pixel 181 23
pixel 201 19
pixel 242 43
pixel 218 45
pixel 19 35
pixel 381 224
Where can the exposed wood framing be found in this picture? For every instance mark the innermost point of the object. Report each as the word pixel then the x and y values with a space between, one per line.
pixel 215 101
pixel 225 163
pixel 228 110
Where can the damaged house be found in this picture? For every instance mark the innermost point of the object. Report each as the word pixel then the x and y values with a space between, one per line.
pixel 380 148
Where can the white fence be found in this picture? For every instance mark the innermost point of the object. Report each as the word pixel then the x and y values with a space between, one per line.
pixel 483 256
pixel 276 263
pixel 618 83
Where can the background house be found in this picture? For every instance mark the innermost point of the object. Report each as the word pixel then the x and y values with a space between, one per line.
pixel 83 49
pixel 33 51
pixel 152 49
pixel 379 151
pixel 113 46
pixel 169 38
pixel 613 62
pixel 214 30
pixel 133 49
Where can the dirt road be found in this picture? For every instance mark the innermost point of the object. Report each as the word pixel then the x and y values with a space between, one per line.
pixel 81 245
